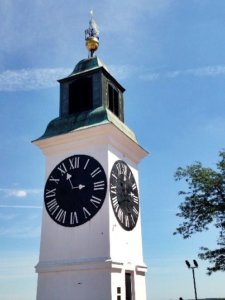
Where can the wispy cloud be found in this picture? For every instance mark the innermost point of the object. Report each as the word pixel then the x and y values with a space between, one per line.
pixel 35 79
pixel 21 206
pixel 22 231
pixel 126 20
pixel 31 79
pixel 123 71
pixel 16 265
pixel 19 193
pixel 208 71
pixel 199 72
pixel 215 127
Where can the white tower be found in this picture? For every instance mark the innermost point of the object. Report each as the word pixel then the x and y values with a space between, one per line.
pixel 91 243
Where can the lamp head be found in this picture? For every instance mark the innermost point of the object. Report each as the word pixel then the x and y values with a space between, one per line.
pixel 187 263
pixel 195 263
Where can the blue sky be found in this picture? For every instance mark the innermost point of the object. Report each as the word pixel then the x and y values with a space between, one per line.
pixel 170 57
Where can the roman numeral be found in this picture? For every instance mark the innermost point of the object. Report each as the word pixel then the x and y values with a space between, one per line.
pixel 61 216
pixel 132 219
pixel 50 193
pixel 95 201
pixel 99 185
pixel 85 166
pixel 73 218
pixel 114 175
pixel 124 169
pixel 113 189
pixel 120 215
pixel 96 172
pixel 135 199
pixel 127 221
pixel 121 168
pixel 56 180
pixel 74 162
pixel 52 206
pixel 134 186
pixel 62 168
pixel 115 203
pixel 86 213
pixel 135 210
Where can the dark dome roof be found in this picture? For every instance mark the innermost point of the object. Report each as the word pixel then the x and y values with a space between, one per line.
pixel 88 64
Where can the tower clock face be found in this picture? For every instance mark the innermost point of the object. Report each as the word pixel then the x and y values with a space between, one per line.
pixel 75 190
pixel 124 195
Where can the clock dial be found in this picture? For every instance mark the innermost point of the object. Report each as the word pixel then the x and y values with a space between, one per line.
pixel 124 195
pixel 75 190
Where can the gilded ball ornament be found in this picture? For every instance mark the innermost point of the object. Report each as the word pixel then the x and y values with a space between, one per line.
pixel 92 43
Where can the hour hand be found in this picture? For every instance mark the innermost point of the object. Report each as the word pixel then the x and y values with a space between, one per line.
pixel 80 187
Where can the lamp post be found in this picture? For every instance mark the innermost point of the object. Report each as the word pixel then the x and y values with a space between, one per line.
pixel 193 273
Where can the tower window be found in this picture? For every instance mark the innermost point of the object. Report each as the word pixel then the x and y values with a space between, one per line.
pixel 118 293
pixel 80 95
pixel 113 100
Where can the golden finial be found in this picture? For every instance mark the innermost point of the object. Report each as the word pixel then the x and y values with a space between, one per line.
pixel 92 36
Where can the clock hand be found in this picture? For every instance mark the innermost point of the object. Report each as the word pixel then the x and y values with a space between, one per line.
pixel 80 187
pixel 68 177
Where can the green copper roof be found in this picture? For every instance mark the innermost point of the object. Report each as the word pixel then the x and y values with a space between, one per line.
pixel 87 65
pixel 73 122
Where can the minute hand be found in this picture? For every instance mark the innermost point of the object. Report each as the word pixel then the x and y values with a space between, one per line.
pixel 68 177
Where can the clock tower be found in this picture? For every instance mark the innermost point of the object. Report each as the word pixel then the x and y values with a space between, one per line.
pixel 91 243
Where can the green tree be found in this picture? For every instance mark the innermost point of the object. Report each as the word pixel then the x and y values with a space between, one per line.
pixel 204 204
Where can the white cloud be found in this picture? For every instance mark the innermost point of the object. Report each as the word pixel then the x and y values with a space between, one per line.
pixel 208 71
pixel 150 76
pixel 7 217
pixel 20 193
pixel 122 72
pixel 31 79
pixel 126 19
pixel 17 265
pixel 19 206
pixel 215 127
pixel 199 72
pixel 34 79
pixel 22 231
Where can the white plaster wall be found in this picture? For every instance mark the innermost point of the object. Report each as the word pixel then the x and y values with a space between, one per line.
pixel 140 284
pixel 75 285
pixel 125 245
pixel 101 239
pixel 86 241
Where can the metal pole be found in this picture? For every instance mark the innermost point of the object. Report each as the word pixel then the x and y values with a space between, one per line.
pixel 193 272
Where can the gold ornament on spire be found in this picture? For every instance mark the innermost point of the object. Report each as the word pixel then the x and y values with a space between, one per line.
pixel 92 36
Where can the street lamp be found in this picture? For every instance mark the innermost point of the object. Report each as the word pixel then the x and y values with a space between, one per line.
pixel 193 273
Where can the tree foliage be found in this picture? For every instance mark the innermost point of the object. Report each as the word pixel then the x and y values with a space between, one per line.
pixel 204 204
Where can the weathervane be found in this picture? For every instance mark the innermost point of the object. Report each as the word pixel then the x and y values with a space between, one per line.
pixel 92 36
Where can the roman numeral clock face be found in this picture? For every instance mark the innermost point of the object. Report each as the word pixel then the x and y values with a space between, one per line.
pixel 75 190
pixel 124 195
